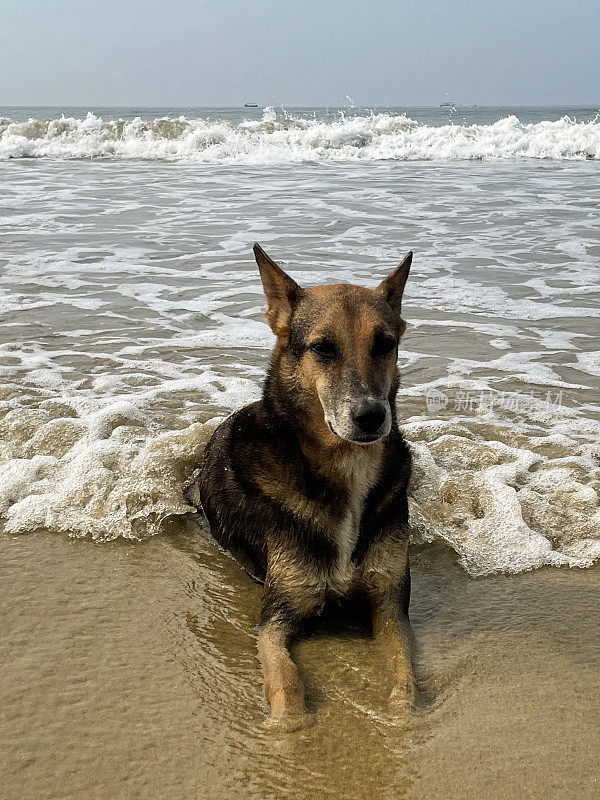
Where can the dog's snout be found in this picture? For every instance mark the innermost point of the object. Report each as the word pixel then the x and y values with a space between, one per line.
pixel 369 416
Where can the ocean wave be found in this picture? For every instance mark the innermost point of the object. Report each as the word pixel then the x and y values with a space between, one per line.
pixel 503 501
pixel 103 475
pixel 291 139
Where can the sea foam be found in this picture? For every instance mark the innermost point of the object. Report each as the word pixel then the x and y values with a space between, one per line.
pixel 275 140
pixel 502 502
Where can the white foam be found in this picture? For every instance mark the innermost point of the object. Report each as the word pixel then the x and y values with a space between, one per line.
pixel 294 139
pixel 109 483
pixel 589 362
pixel 504 499
pixel 503 508
pixel 102 467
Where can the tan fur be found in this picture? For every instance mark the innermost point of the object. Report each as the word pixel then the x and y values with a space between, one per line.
pixel 283 687
pixel 348 311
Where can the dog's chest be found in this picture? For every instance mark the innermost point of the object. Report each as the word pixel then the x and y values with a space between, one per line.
pixel 362 472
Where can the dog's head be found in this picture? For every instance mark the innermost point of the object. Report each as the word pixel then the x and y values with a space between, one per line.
pixel 337 349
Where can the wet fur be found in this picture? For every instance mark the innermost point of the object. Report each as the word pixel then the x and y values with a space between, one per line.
pixel 308 513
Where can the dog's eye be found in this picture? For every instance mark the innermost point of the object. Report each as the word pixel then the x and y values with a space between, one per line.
pixel 324 349
pixel 383 345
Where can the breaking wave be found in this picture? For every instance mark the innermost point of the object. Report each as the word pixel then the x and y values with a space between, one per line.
pixel 504 502
pixel 102 475
pixel 290 139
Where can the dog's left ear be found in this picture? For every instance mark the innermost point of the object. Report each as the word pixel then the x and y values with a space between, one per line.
pixel 282 292
pixel 392 288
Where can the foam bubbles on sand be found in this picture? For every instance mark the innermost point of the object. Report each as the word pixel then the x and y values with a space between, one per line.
pixel 105 476
pixel 504 501
pixel 503 504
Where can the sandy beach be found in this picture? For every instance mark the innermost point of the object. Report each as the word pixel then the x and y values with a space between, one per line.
pixel 129 671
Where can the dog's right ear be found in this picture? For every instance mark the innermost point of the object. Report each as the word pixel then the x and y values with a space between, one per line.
pixel 392 288
pixel 282 292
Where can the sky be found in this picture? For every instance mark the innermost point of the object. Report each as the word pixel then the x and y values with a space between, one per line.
pixel 299 52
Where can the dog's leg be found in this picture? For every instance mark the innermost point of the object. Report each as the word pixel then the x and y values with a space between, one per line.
pixel 391 627
pixel 387 582
pixel 289 597
pixel 283 687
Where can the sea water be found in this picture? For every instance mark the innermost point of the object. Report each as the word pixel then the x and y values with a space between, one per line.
pixel 132 311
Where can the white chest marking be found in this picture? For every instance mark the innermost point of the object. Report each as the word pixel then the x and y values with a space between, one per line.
pixel 362 472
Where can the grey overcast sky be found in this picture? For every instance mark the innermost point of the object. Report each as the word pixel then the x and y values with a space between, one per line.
pixel 299 52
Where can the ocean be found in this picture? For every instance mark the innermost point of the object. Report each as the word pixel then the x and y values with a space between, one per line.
pixel 132 323
pixel 133 313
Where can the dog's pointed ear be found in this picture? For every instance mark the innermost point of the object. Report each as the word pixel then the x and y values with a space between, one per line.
pixel 282 292
pixel 392 288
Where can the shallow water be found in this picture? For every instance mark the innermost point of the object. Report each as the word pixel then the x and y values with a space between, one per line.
pixel 132 321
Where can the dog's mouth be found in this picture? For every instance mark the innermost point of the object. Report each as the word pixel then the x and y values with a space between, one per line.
pixel 362 439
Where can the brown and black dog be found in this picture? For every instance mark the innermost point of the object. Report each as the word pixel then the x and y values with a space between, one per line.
pixel 306 488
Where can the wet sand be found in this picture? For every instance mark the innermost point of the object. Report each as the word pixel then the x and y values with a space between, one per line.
pixel 129 671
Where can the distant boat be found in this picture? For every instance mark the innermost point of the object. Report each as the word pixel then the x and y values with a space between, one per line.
pixel 446 105
pixel 251 105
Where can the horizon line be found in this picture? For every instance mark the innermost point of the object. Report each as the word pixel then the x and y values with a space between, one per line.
pixel 301 105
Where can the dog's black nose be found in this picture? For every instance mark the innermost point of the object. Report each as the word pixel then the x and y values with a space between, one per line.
pixel 369 416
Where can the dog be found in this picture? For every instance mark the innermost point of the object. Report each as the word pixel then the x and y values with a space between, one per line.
pixel 306 488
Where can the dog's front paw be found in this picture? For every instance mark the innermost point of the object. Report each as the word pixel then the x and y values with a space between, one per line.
pixel 288 722
pixel 405 694
pixel 288 712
